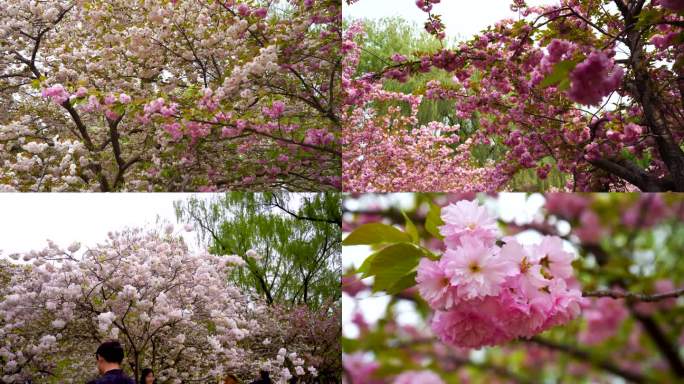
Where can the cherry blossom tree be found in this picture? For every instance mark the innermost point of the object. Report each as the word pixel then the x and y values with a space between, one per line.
pixel 172 310
pixel 313 334
pixel 587 288
pixel 169 95
pixel 591 89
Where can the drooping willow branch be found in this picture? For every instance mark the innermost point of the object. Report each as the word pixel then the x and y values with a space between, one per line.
pixel 629 296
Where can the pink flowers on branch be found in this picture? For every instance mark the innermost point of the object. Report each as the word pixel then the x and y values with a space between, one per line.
pixel 525 84
pixel 169 96
pixel 393 151
pixel 594 78
pixel 473 287
pixel 485 289
pixel 485 294
pixel 56 93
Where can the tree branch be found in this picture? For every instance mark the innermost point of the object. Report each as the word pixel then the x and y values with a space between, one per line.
pixel 629 296
pixel 623 9
pixel 628 171
pixel 662 342
pixel 300 217
pixel 79 124
pixel 589 358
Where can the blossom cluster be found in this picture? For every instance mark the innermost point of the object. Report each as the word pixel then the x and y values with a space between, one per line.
pixel 159 107
pixel 150 288
pixel 426 5
pixel 594 78
pixel 393 151
pixel 516 87
pixel 486 294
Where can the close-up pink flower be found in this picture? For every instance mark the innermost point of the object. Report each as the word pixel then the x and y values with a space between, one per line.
pixel 477 269
pixel 552 256
pixel 435 285
pixel 550 283
pixel 467 218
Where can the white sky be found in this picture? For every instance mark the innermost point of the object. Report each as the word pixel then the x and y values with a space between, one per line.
pixel 461 18
pixel 28 219
pixel 517 207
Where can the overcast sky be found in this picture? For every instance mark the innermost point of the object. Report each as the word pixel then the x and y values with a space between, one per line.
pixel 28 219
pixel 462 18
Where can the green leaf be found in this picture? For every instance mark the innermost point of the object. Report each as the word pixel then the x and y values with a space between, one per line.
pixel 390 266
pixel 376 233
pixel 434 221
pixel 191 92
pixel 560 72
pixel 350 345
pixel 120 109
pixel 365 266
pixel 405 282
pixel 648 17
pixel 77 101
pixel 564 84
pixel 411 228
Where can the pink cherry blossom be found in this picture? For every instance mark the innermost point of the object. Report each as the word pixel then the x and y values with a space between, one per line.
pixel 467 218
pixel 276 110
pixel 477 269
pixel 527 262
pixel 353 286
pixel 81 92
pixel 590 230
pixel 360 369
pixel 594 78
pixel 604 317
pixel 435 285
pixel 124 98
pixel 56 93
pixel 484 294
pixel 467 326
pixel 552 256
pixel 418 377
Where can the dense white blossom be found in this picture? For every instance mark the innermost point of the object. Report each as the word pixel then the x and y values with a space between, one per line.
pixel 147 290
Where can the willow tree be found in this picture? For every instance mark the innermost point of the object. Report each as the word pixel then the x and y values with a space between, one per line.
pixel 289 242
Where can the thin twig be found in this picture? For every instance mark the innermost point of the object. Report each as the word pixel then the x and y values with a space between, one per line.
pixel 629 296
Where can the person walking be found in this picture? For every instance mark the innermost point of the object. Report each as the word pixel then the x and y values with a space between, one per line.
pixel 264 379
pixel 110 355
pixel 147 376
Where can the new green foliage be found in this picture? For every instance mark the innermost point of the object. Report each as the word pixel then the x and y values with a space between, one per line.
pixel 296 237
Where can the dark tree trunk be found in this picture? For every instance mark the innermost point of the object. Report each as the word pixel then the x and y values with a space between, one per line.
pixel 670 152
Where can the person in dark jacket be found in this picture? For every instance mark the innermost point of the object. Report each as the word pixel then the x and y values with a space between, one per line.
pixel 147 376
pixel 265 378
pixel 109 356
